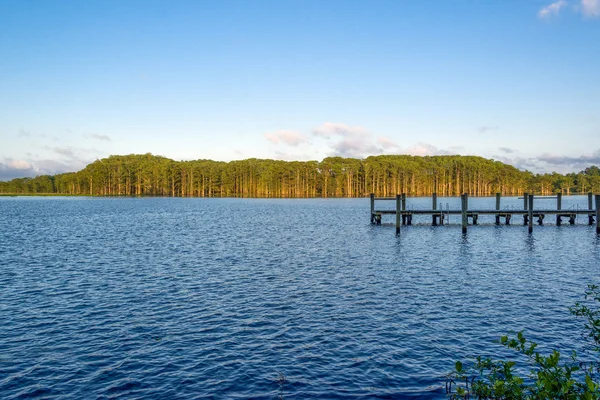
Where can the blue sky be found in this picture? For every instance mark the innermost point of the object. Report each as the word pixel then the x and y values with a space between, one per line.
pixel 513 80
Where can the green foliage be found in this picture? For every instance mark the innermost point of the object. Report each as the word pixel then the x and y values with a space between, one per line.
pixel 386 175
pixel 550 376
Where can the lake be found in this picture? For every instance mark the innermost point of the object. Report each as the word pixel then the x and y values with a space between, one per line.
pixel 269 298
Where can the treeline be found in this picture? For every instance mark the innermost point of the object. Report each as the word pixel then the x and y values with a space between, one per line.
pixel 149 175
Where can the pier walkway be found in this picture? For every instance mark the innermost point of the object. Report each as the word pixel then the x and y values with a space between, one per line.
pixel 404 216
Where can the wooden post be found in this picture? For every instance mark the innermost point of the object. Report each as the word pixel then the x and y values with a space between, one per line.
pixel 434 207
pixel 530 213
pixel 598 214
pixel 372 208
pixel 498 208
pixel 398 212
pixel 525 216
pixel 464 206
pixel 590 207
pixel 558 207
pixel 404 208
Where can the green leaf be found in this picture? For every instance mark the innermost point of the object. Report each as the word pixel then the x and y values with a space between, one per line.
pixel 590 383
pixel 459 367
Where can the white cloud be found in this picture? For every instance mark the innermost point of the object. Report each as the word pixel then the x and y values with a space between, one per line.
pixel 333 139
pixel 355 147
pixel 291 138
pixel 346 140
pixel 422 149
pixel 10 168
pixel 357 142
pixel 426 149
pixel 590 8
pixel 553 9
pixel 19 164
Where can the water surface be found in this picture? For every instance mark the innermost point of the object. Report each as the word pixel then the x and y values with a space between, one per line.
pixel 221 298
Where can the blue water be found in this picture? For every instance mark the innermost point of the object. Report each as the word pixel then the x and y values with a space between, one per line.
pixel 239 298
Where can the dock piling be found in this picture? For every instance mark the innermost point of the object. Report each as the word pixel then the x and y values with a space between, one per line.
pixel 372 208
pixel 598 214
pixel 591 207
pixel 498 208
pixel 525 216
pixel 530 213
pixel 464 206
pixel 434 207
pixel 558 208
pixel 404 208
pixel 398 213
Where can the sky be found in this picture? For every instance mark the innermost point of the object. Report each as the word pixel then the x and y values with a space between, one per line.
pixel 515 80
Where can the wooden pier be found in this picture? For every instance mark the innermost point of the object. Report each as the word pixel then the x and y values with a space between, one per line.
pixel 404 216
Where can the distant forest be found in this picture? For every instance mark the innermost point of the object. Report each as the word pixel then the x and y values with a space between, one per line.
pixel 149 175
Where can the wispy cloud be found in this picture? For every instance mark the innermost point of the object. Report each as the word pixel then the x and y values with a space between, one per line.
pixel 24 133
pixel 590 8
pixel 290 138
pixel 506 150
pixel 282 155
pixel 484 129
pixel 330 129
pixel 387 143
pixel 552 9
pixel 584 160
pixel 64 151
pixel 100 137
pixel 549 162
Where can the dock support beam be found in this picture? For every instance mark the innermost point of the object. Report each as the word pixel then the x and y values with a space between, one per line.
pixel 464 205
pixel 530 213
pixel 598 214
pixel 498 208
pixel 591 207
pixel 372 208
pixel 558 207
pixel 398 213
